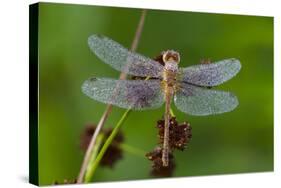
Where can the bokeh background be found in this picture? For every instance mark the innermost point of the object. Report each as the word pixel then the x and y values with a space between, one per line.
pixel 236 142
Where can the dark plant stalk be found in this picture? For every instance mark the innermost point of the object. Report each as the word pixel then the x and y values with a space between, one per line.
pixel 108 109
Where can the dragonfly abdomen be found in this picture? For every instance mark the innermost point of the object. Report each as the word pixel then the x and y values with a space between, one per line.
pixel 169 82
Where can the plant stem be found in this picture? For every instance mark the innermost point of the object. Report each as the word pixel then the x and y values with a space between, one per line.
pixel 95 152
pixel 172 112
pixel 93 167
pixel 108 109
pixel 90 148
pixel 138 31
pixel 132 150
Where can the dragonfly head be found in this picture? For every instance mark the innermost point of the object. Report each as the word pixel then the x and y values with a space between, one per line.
pixel 171 56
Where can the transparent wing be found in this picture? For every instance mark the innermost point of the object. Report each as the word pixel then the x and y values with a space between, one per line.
pixel 200 101
pixel 123 60
pixel 135 94
pixel 211 74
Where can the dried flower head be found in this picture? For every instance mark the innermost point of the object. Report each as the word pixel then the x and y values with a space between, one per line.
pixel 112 154
pixel 157 166
pixel 179 134
pixel 86 136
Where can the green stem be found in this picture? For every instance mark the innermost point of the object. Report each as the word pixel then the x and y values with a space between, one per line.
pixel 172 112
pixel 92 168
pixel 96 148
pixel 123 146
pixel 132 150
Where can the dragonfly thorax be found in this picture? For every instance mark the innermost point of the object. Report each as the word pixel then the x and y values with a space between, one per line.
pixel 170 73
pixel 171 66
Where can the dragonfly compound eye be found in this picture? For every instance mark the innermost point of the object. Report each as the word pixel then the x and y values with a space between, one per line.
pixel 171 56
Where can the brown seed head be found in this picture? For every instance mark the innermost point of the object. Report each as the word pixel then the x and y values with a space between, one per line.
pixel 157 166
pixel 179 134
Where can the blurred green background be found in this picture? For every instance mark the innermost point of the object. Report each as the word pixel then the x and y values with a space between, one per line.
pixel 236 142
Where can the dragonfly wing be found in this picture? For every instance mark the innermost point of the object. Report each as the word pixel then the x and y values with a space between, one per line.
pixel 122 59
pixel 212 74
pixel 201 102
pixel 134 94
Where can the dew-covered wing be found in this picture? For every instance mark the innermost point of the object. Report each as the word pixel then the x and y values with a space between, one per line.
pixel 122 59
pixel 212 74
pixel 134 94
pixel 201 102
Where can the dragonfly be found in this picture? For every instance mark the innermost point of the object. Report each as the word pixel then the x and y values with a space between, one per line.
pixel 188 87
